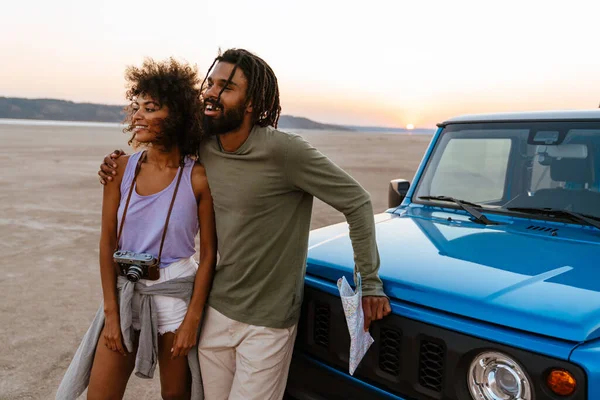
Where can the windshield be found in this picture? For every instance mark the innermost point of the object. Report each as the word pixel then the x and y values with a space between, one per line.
pixel 554 165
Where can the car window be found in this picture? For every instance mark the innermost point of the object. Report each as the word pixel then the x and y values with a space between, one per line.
pixel 473 169
pixel 542 165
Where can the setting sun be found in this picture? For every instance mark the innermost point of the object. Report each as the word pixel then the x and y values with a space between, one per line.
pixel 410 126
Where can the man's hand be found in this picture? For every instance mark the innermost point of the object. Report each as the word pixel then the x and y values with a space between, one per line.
pixel 375 308
pixel 108 167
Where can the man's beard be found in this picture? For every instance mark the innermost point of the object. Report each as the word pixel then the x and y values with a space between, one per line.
pixel 229 121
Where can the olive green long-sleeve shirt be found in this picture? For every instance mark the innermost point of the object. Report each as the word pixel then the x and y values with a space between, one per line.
pixel 263 195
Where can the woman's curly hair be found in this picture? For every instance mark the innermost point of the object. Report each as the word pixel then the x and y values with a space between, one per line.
pixel 175 85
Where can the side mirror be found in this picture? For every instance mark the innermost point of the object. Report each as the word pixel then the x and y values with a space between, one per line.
pixel 397 191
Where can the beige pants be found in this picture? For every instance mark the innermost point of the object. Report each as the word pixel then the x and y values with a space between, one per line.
pixel 240 361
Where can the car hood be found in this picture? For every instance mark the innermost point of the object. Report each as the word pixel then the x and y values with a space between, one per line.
pixel 516 275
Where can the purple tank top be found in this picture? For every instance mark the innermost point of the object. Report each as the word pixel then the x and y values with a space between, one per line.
pixel 146 217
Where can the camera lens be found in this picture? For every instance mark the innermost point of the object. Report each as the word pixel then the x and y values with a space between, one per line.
pixel 134 273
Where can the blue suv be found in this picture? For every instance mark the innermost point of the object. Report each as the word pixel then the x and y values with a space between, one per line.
pixel 491 260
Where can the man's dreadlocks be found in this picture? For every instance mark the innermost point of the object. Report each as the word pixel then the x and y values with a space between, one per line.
pixel 262 91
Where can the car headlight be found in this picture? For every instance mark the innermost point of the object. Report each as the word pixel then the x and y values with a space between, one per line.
pixel 496 376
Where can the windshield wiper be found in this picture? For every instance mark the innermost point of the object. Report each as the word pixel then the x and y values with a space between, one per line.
pixel 575 216
pixel 465 205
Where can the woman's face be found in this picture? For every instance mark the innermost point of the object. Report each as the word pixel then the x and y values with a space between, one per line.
pixel 147 118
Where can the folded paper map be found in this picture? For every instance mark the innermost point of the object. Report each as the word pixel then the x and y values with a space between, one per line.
pixel 360 341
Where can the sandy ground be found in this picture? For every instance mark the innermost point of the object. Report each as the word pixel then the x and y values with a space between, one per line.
pixel 49 229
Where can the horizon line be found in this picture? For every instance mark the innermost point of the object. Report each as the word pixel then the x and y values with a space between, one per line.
pixel 416 128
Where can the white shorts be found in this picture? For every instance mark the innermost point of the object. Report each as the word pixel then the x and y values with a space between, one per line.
pixel 169 310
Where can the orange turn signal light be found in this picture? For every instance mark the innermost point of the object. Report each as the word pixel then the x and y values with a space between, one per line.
pixel 561 382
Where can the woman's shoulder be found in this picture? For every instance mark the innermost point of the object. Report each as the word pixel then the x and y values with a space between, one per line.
pixel 123 160
pixel 199 179
pixel 126 169
pixel 198 171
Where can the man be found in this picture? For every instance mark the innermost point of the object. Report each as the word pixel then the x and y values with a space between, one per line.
pixel 263 181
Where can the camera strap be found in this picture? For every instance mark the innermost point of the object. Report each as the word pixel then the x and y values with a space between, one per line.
pixel 137 171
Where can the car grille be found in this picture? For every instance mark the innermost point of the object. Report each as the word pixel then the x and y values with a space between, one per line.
pixel 389 353
pixel 409 358
pixel 431 365
pixel 321 328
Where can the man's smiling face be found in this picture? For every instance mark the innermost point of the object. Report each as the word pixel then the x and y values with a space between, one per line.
pixel 227 113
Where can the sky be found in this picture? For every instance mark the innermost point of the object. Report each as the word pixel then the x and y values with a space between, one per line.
pixel 384 63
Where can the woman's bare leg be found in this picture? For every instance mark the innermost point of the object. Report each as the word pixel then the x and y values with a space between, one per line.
pixel 175 375
pixel 110 373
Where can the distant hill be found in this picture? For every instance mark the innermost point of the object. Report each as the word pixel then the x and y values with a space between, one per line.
pixel 291 122
pixel 58 110
pixel 61 110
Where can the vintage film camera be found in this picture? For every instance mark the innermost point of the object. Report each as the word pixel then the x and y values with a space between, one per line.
pixel 136 266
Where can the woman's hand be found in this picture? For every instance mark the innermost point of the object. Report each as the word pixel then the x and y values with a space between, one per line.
pixel 185 338
pixel 113 339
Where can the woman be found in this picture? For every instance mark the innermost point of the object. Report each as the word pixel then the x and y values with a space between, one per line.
pixel 164 120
